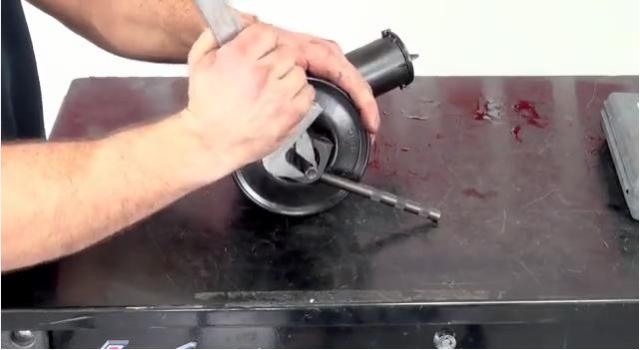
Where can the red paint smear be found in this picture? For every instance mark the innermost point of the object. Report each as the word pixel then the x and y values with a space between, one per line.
pixel 482 109
pixel 375 162
pixel 596 139
pixel 595 144
pixel 516 133
pixel 528 111
pixel 472 192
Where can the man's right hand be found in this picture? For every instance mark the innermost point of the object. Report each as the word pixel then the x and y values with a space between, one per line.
pixel 247 97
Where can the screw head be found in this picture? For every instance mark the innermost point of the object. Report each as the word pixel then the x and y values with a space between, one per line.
pixel 23 338
pixel 312 174
pixel 444 339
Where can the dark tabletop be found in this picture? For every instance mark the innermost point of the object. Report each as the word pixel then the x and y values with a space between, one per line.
pixel 532 210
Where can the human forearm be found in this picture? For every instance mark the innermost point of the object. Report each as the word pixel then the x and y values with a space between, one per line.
pixel 163 31
pixel 150 30
pixel 59 198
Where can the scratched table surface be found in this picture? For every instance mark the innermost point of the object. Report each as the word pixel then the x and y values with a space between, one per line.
pixel 532 209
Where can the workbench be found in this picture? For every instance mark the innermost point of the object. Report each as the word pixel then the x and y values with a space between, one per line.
pixel 535 248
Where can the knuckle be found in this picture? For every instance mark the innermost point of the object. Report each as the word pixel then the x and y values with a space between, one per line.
pixel 336 75
pixel 328 46
pixel 329 51
pixel 284 56
pixel 287 60
pixel 334 46
pixel 326 51
pixel 267 34
pixel 257 33
pixel 312 93
pixel 251 18
pixel 288 53
pixel 260 27
pixel 299 74
pixel 252 30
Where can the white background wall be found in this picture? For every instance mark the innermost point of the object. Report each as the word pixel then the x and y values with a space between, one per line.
pixel 454 37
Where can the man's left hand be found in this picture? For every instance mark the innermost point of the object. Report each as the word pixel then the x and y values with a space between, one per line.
pixel 324 59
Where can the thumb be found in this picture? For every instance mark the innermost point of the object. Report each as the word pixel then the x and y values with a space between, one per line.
pixel 203 45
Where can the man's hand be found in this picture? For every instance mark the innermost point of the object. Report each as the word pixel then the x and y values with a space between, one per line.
pixel 247 97
pixel 163 31
pixel 325 59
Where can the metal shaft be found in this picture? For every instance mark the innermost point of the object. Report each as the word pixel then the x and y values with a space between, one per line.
pixel 382 197
pixel 222 20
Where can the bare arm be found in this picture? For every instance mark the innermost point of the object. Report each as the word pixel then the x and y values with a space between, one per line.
pixel 150 30
pixel 164 30
pixel 59 198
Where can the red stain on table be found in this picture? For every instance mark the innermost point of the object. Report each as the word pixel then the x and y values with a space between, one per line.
pixel 482 110
pixel 516 133
pixel 528 111
pixel 474 193
pixel 595 144
pixel 487 109
pixel 375 162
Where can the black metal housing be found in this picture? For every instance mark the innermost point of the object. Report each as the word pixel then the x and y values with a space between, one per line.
pixel 386 65
pixel 340 123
